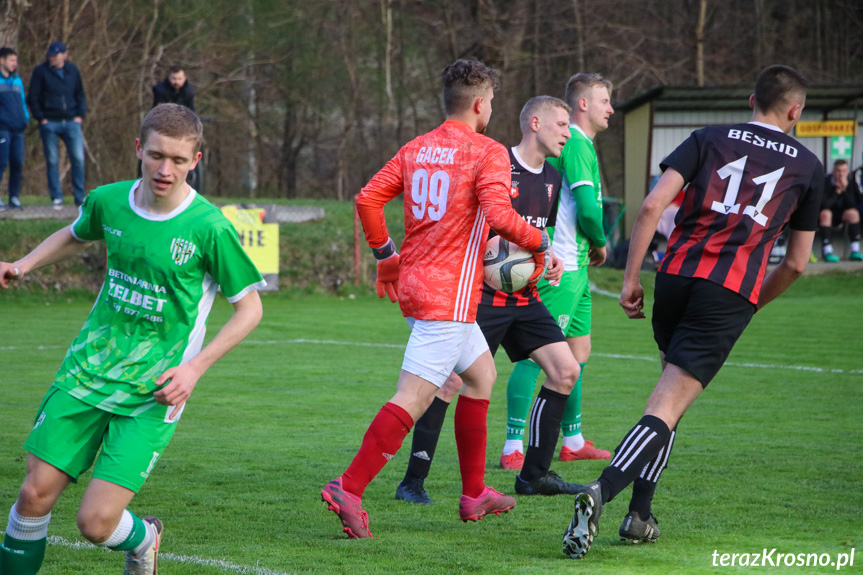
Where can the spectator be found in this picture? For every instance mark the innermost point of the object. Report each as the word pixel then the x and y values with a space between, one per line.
pixel 175 89
pixel 855 184
pixel 839 205
pixel 57 100
pixel 13 120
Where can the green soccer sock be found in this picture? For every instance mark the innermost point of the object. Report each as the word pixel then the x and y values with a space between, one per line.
pixel 19 557
pixel 129 534
pixel 519 393
pixel 571 422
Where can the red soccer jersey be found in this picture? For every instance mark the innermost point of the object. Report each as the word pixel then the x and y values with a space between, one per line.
pixel 458 183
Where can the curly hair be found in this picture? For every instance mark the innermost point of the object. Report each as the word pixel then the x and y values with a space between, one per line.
pixel 464 80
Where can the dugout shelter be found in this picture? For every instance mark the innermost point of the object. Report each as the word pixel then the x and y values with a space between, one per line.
pixel 658 120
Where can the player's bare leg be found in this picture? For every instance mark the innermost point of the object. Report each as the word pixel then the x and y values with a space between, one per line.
pixel 23 548
pixel 104 520
pixel 535 477
pixel 471 414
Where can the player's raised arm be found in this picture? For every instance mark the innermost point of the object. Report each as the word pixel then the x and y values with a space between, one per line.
pixel 56 247
pixel 632 294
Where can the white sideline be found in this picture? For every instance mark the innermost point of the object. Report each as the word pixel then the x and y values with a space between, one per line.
pixel 593 354
pixel 218 563
pixel 808 368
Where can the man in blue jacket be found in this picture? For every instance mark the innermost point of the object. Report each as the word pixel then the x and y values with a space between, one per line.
pixel 13 120
pixel 58 103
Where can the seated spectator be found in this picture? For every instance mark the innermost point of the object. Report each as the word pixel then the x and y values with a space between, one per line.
pixel 839 205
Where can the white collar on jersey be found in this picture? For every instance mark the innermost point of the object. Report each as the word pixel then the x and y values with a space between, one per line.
pixel 576 127
pixel 768 126
pixel 159 217
pixel 524 165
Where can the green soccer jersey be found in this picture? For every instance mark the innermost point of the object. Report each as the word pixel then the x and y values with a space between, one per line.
pixel 575 232
pixel 150 315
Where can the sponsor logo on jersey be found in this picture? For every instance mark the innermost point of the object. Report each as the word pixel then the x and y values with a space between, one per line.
pixel 422 455
pixel 550 188
pixel 513 191
pixel 40 420
pixel 108 230
pixel 181 250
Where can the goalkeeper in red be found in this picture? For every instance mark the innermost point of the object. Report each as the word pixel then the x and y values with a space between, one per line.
pixel 126 378
pixel 456 183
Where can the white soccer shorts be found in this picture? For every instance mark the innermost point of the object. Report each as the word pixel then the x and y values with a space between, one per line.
pixel 437 348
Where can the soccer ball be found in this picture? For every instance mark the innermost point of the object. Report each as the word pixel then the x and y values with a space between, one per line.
pixel 507 266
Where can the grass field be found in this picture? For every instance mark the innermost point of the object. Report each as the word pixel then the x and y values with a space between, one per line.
pixel 769 457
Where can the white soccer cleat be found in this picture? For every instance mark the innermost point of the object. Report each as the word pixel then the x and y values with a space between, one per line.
pixel 147 563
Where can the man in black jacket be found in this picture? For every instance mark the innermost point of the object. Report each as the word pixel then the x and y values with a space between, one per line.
pixel 57 101
pixel 174 89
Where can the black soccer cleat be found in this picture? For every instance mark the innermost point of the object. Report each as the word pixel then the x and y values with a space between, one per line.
pixel 549 484
pixel 637 530
pixel 585 522
pixel 413 492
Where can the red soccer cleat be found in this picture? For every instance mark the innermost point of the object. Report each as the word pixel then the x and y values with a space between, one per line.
pixel 489 501
pixel 586 452
pixel 513 461
pixel 348 507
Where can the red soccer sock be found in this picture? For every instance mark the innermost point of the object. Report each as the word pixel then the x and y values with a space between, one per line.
pixel 470 438
pixel 382 440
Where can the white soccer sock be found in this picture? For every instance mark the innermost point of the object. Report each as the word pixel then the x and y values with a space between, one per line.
pixel 827 248
pixel 573 442
pixel 27 528
pixel 513 445
pixel 121 533
pixel 855 246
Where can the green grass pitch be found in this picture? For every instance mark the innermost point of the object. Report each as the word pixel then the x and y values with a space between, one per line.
pixel 769 457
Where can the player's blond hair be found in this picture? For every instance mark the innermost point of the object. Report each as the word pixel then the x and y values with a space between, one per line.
pixel 536 106
pixel 173 121
pixel 464 81
pixel 580 85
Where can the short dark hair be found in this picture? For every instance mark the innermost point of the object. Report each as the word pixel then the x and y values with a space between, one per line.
pixel 464 80
pixel 174 121
pixel 6 51
pixel 838 163
pixel 539 104
pixel 580 83
pixel 777 86
pixel 174 69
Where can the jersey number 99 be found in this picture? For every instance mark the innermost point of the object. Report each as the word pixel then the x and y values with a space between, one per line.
pixel 429 192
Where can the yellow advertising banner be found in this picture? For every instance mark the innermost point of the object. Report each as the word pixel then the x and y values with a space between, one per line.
pixel 260 240
pixel 826 129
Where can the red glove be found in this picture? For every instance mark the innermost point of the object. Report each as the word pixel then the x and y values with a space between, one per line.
pixel 388 271
pixel 542 258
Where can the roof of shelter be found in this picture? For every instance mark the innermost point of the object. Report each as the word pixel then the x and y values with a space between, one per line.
pixel 678 98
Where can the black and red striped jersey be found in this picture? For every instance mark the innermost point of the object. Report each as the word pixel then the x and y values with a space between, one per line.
pixel 746 182
pixel 534 194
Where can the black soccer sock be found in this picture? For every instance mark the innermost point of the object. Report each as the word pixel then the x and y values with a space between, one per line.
pixel 644 485
pixel 544 424
pixel 641 444
pixel 826 233
pixel 854 232
pixel 426 435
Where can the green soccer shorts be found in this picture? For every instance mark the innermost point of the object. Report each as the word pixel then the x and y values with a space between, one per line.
pixel 568 302
pixel 69 434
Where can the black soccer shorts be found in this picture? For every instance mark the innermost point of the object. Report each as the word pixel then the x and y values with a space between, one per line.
pixel 519 329
pixel 696 323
